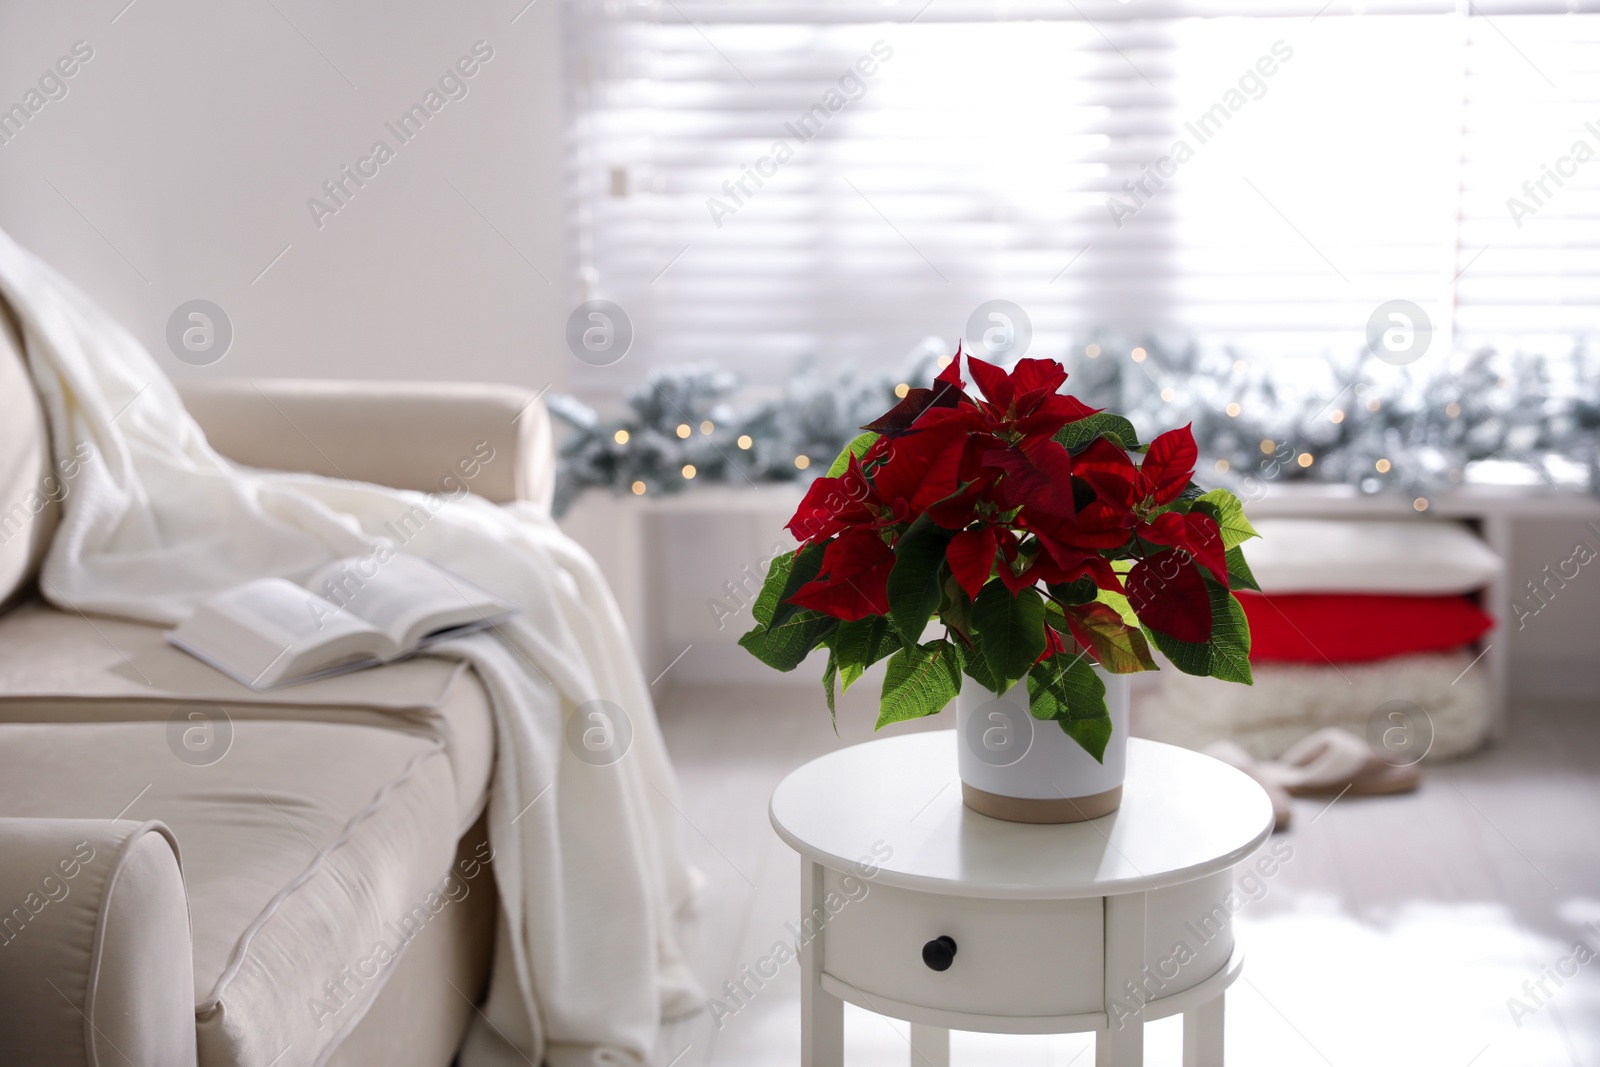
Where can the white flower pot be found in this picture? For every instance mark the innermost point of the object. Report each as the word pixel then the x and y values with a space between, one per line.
pixel 1022 769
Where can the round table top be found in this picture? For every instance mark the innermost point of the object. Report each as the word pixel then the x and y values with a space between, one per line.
pixel 896 803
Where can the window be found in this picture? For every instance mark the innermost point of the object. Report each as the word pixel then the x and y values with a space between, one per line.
pixel 766 184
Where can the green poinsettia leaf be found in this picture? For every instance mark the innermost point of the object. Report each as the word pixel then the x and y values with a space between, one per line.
pixel 921 680
pixel 785 646
pixel 1227 654
pixel 830 674
pixel 1239 575
pixel 1077 592
pixel 1075 436
pixel 955 608
pixel 1092 734
pixel 1069 691
pixel 1119 602
pixel 1009 630
pixel 803 568
pixel 974 666
pixel 856 448
pixel 859 644
pixel 772 588
pixel 914 579
pixel 1120 648
pixel 1228 512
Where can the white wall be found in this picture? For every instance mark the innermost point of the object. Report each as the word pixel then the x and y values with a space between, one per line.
pixel 185 150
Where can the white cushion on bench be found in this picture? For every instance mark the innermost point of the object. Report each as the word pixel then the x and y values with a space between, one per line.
pixel 1420 556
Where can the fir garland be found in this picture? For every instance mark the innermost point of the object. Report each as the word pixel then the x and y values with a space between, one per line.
pixel 1354 420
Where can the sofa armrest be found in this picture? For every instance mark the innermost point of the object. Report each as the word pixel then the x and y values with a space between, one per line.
pixel 96 956
pixel 494 440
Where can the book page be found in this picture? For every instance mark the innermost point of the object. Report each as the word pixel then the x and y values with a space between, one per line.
pixel 408 598
pixel 270 630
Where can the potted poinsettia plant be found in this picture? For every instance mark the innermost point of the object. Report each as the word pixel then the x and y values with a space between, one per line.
pixel 1050 559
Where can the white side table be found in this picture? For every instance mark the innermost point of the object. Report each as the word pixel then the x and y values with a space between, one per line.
pixel 917 908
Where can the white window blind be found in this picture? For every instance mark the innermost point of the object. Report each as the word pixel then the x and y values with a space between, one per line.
pixel 1536 281
pixel 767 184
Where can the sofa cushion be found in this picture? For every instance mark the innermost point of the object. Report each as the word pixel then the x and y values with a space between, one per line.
pixel 430 996
pixel 1370 556
pixel 313 854
pixel 30 491
pixel 60 666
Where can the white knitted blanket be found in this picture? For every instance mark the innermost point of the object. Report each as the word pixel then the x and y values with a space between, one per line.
pixel 587 857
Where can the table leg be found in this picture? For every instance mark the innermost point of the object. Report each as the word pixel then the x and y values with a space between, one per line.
pixel 930 1046
pixel 1121 1043
pixel 1202 1035
pixel 821 1013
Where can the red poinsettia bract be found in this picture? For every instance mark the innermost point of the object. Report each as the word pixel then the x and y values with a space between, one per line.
pixel 1019 510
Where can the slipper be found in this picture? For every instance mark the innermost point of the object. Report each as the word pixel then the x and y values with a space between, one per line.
pixel 1237 758
pixel 1336 761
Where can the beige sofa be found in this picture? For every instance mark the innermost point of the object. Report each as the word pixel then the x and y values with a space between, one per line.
pixel 191 871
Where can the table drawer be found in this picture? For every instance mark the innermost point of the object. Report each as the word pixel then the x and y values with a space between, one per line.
pixel 1021 958
pixel 1013 957
pixel 1188 937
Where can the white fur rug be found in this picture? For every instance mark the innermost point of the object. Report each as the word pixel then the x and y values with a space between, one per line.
pixel 1291 700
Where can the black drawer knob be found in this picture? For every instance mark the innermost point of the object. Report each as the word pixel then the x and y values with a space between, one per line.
pixel 939 953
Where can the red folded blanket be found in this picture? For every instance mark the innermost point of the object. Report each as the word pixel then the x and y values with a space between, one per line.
pixel 1357 627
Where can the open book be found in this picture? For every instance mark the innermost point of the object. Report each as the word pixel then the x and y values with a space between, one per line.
pixel 354 613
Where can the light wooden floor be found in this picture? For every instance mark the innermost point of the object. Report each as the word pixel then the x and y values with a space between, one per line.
pixel 1394 936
